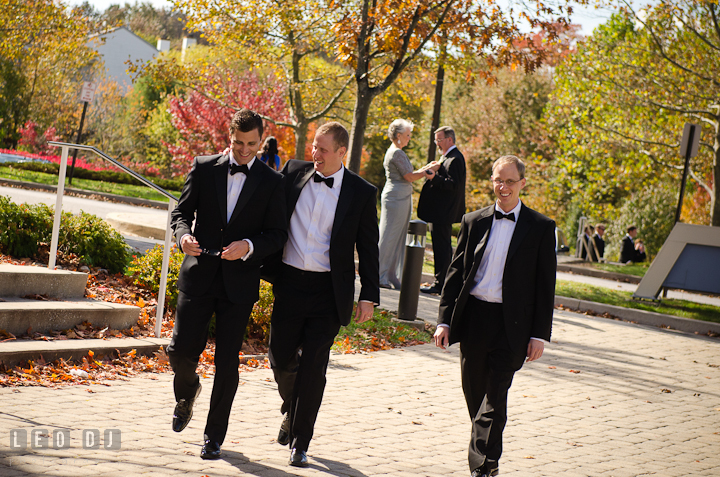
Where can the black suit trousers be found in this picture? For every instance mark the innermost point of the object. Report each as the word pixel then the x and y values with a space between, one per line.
pixel 188 342
pixel 303 327
pixel 487 368
pixel 441 236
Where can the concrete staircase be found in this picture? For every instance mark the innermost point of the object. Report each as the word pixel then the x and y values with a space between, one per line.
pixel 65 308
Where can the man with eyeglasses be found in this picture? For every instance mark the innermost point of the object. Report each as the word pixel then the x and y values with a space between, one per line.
pixel 237 204
pixel 442 203
pixel 497 302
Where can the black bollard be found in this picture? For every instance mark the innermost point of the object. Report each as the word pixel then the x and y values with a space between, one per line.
pixel 412 270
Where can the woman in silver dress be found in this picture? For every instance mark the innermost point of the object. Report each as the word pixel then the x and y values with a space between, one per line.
pixel 396 201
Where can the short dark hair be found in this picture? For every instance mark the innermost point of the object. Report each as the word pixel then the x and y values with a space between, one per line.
pixel 340 136
pixel 447 132
pixel 245 120
pixel 631 228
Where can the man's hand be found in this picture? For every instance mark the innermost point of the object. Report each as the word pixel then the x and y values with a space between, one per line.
pixel 535 350
pixel 189 245
pixel 442 336
pixel 235 250
pixel 364 311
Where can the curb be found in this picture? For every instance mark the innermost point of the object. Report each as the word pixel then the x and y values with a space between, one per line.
pixel 589 272
pixel 641 316
pixel 155 204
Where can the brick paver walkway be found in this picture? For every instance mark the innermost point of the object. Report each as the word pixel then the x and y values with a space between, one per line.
pixel 643 401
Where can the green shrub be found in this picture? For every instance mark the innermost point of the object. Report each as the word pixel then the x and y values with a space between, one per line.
pixel 94 241
pixel 23 227
pixel 146 271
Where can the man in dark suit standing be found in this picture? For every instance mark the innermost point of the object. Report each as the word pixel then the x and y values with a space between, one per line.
pixel 238 205
pixel 632 252
pixel 332 212
pixel 598 252
pixel 498 303
pixel 442 203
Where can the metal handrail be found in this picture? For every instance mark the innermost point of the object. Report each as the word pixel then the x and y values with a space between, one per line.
pixel 147 182
pixel 160 310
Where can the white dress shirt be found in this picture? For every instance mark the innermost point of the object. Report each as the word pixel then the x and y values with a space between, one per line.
pixel 489 276
pixel 308 244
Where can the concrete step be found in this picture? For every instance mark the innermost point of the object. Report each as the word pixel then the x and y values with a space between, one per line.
pixel 18 314
pixel 19 280
pixel 14 352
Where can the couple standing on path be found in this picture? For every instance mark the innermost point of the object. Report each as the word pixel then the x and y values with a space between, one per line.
pixel 314 274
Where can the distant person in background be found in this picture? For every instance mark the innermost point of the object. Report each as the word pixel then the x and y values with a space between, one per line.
pixel 584 242
pixel 598 251
pixel 632 251
pixel 442 204
pixel 269 153
pixel 396 201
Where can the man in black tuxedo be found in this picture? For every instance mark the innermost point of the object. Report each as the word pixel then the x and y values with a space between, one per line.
pixel 442 203
pixel 598 252
pixel 498 303
pixel 632 252
pixel 332 212
pixel 238 205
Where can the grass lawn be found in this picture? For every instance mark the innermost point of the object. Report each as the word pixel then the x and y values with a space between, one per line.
pixel 378 333
pixel 127 190
pixel 636 269
pixel 668 306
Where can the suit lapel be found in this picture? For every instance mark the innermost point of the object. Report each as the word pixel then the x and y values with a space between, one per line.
pixel 521 230
pixel 347 191
pixel 484 225
pixel 300 180
pixel 251 183
pixel 221 173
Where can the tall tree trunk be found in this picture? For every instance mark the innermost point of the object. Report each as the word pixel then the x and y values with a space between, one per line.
pixel 357 131
pixel 439 80
pixel 714 203
pixel 301 130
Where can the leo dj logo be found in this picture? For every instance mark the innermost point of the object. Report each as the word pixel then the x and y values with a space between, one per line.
pixel 60 439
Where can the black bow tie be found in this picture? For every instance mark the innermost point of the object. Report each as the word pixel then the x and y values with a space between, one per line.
pixel 234 169
pixel 329 181
pixel 499 215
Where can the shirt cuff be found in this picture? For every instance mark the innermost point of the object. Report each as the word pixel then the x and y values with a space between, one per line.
pixel 540 339
pixel 250 251
pixel 443 325
pixel 367 301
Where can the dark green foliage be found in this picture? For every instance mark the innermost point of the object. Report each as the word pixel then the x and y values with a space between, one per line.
pixel 107 176
pixel 23 227
pixel 91 238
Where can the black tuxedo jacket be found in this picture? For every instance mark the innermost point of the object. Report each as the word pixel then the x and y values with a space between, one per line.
pixel 628 253
pixel 600 246
pixel 259 216
pixel 528 278
pixel 442 199
pixel 355 226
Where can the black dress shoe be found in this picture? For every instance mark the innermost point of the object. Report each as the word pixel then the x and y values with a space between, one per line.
pixel 184 411
pixel 210 450
pixel 433 289
pixel 298 458
pixel 489 469
pixel 284 434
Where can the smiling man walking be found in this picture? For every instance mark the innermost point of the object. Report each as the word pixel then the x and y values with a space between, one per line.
pixel 498 303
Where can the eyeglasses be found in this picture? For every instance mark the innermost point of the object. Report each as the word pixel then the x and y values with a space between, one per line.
pixel 508 182
pixel 440 139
